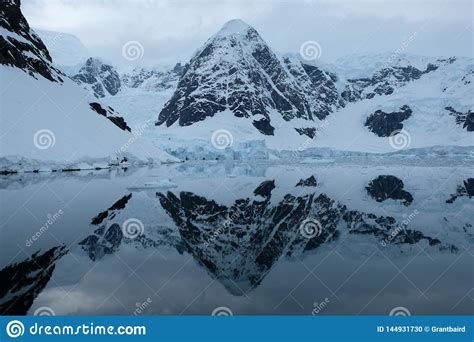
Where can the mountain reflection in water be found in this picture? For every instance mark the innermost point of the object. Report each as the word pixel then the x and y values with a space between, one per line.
pixel 272 240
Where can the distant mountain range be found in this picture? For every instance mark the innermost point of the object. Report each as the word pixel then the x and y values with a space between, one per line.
pixel 236 83
pixel 359 103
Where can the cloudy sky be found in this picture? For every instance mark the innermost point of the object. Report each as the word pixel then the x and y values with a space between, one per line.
pixel 171 30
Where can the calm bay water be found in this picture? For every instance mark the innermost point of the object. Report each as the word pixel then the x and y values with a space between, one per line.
pixel 257 238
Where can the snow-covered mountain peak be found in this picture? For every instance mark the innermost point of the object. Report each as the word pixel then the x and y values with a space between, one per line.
pixel 236 71
pixel 233 27
pixel 236 39
pixel 100 78
pixel 66 49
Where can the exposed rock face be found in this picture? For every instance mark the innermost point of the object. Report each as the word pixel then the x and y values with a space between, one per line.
pixel 111 212
pixel 466 120
pixel 310 132
pixel 389 187
pixel 466 189
pixel 102 79
pixel 311 181
pixel 22 282
pixel 21 47
pixel 383 226
pixel 103 242
pixel 384 124
pixel 110 114
pixel 239 244
pixel 242 242
pixel 383 82
pixel 265 189
pixel 235 70
pixel 236 73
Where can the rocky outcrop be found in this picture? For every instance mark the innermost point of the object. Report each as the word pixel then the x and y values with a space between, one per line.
pixel 383 82
pixel 384 124
pixel 466 120
pixel 310 132
pixel 465 189
pixel 21 47
pixel 389 187
pixel 311 182
pixel 100 78
pixel 104 241
pixel 112 211
pixel 110 114
pixel 22 282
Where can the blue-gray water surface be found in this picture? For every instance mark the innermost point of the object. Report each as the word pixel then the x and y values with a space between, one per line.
pixel 321 239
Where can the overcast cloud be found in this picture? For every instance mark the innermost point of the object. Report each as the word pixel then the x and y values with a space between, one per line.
pixel 171 30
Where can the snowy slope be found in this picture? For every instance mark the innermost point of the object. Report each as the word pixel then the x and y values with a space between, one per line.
pixel 47 120
pixel 429 125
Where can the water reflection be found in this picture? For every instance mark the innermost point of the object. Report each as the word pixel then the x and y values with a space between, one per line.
pixel 239 230
pixel 389 187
